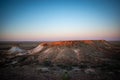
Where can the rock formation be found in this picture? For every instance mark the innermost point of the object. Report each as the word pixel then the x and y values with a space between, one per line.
pixel 72 52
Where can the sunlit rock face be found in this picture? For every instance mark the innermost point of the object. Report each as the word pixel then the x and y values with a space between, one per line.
pixel 72 52
pixel 36 49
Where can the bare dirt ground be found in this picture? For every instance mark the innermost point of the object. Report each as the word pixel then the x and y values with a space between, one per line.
pixel 32 70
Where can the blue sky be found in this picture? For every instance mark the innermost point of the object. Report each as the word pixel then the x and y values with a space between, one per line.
pixel 60 19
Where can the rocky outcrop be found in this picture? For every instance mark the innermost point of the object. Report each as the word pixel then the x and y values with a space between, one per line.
pixel 15 49
pixel 68 52
pixel 72 52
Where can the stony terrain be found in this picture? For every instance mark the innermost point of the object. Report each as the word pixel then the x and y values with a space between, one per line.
pixel 80 60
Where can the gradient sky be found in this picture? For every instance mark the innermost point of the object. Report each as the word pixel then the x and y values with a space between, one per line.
pixel 60 19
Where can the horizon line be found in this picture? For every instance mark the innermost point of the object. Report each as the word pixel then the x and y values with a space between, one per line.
pixel 50 40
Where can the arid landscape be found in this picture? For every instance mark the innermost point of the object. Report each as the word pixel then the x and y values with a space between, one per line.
pixel 60 40
pixel 54 60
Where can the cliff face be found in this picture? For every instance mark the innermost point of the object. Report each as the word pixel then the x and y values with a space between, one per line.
pixel 71 43
pixel 72 52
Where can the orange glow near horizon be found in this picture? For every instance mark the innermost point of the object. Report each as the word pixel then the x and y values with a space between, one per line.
pixel 58 37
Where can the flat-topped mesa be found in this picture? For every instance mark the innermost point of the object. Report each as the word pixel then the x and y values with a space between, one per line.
pixel 60 43
pixel 70 43
pixel 72 51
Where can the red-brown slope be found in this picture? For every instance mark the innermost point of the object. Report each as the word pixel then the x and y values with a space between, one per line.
pixel 73 52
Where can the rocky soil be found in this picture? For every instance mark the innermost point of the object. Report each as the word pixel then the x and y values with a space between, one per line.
pixel 79 60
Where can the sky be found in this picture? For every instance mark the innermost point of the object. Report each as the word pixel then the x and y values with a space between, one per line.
pixel 44 20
